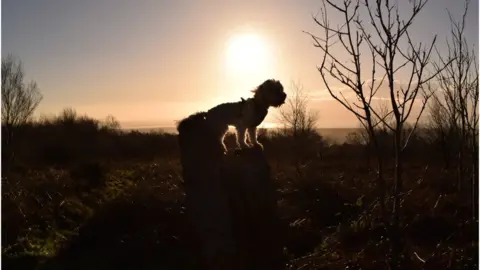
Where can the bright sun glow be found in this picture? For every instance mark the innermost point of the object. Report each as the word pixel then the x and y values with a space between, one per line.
pixel 247 55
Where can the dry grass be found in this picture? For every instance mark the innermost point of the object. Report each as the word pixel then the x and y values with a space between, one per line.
pixel 111 210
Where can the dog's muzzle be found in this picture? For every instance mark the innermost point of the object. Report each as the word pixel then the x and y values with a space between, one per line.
pixel 280 100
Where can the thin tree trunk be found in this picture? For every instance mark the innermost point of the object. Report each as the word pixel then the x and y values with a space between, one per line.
pixel 461 157
pixel 474 193
pixel 380 175
pixel 395 230
pixel 8 150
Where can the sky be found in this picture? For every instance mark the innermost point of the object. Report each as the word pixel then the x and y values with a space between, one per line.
pixel 152 62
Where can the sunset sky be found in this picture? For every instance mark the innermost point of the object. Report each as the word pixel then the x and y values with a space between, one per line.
pixel 152 62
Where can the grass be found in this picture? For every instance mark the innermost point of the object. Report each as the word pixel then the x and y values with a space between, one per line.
pixel 118 204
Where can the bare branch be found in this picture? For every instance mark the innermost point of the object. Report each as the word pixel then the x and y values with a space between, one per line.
pixel 19 100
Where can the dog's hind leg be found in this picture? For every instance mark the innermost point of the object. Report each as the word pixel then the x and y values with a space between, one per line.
pixel 241 137
pixel 222 140
pixel 252 135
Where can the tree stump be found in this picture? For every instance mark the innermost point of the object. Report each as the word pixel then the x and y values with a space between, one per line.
pixel 230 201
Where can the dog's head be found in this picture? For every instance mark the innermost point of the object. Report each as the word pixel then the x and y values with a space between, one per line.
pixel 271 92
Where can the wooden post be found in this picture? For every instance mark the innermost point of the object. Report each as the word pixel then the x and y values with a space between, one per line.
pixel 230 201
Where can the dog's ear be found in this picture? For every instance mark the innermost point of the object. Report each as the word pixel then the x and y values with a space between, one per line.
pixel 265 84
pixel 277 82
pixel 270 83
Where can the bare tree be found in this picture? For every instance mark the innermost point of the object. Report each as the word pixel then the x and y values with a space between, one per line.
pixel 295 114
pixel 19 99
pixel 110 123
pixel 298 121
pixel 457 93
pixel 391 50
pixel 380 143
pixel 439 131
pixel 68 116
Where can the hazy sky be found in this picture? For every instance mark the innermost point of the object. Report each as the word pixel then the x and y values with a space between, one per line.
pixel 150 62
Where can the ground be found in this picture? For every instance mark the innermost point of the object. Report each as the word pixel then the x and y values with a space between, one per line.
pixel 115 201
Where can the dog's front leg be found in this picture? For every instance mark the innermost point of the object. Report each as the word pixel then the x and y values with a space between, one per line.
pixel 252 135
pixel 241 137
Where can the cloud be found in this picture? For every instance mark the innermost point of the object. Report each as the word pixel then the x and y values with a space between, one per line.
pixel 383 93
pixel 320 95
pixel 324 94
pixel 380 98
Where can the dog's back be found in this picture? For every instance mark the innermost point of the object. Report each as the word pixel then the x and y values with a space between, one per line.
pixel 227 113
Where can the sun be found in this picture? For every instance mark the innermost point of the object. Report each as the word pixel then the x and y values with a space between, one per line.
pixel 248 54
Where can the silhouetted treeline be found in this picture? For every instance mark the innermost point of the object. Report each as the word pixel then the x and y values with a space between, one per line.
pixel 66 139
pixel 63 141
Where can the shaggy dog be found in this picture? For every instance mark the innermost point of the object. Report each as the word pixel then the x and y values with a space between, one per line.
pixel 247 114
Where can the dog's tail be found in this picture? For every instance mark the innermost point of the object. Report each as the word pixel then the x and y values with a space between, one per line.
pixel 197 135
pixel 192 123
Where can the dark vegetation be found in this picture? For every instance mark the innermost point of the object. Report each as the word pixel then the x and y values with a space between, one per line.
pixel 81 194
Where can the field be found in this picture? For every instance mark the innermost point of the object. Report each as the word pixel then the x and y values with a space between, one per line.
pixel 80 196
